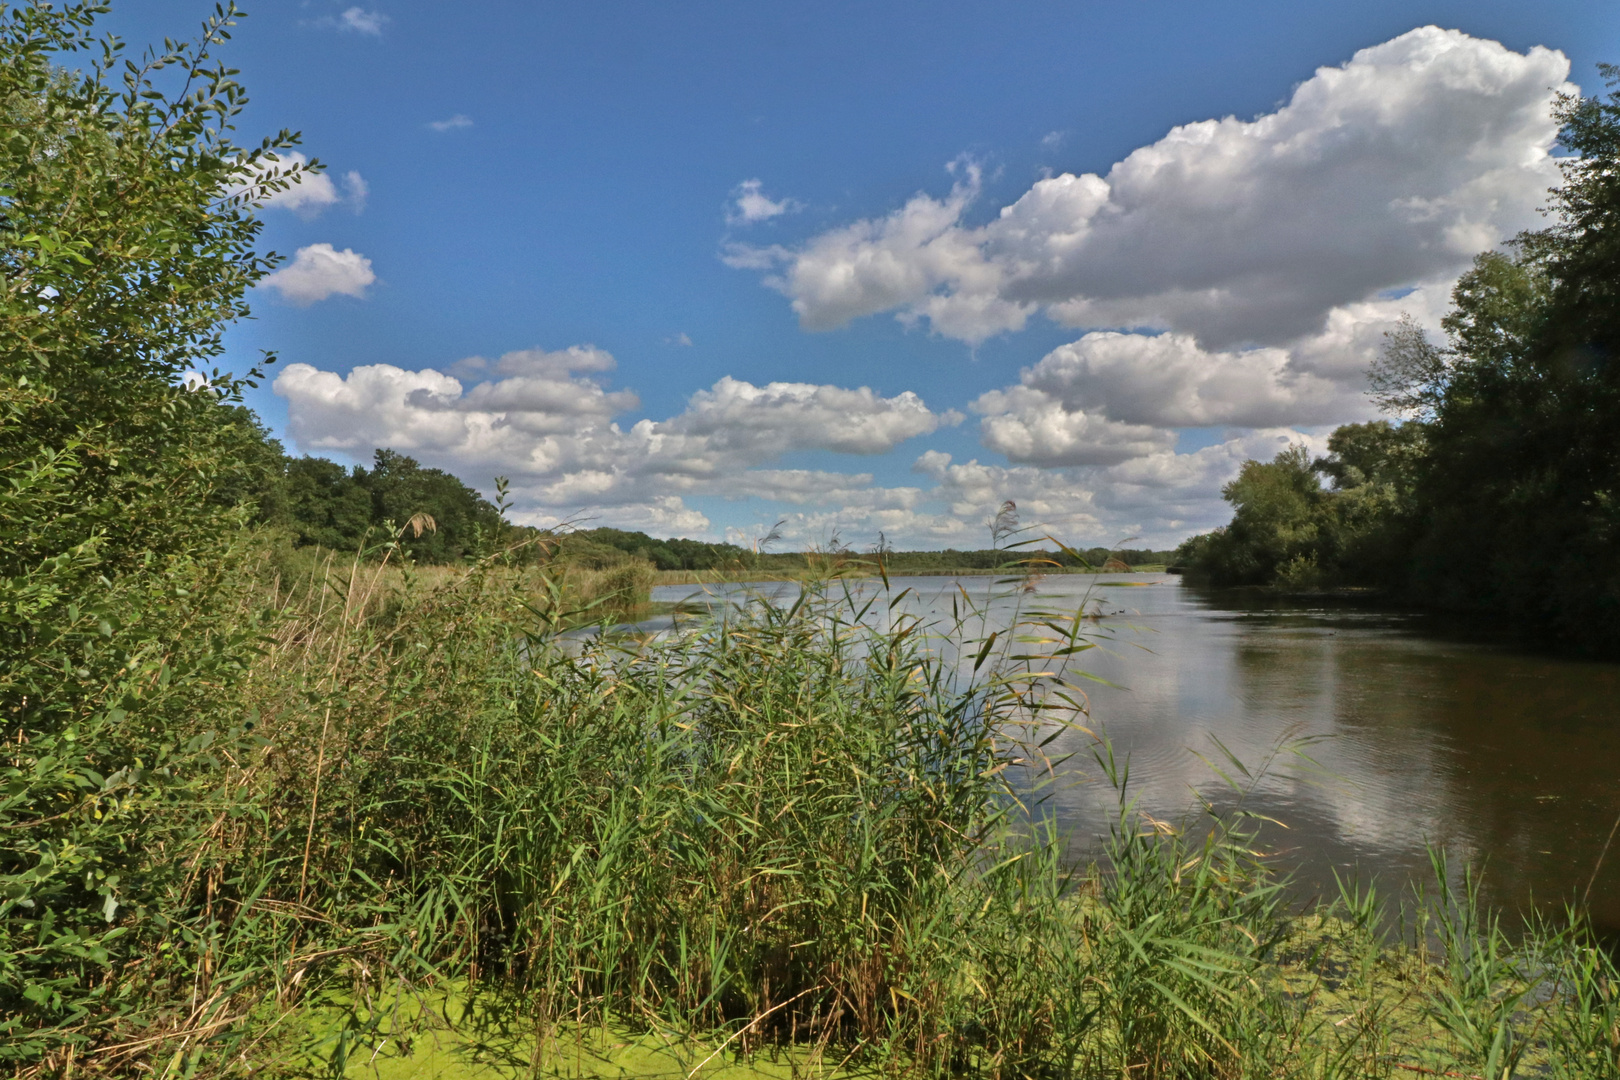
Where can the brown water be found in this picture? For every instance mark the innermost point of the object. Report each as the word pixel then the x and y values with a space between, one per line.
pixel 1422 732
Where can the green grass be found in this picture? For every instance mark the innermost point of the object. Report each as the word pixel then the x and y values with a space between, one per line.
pixel 413 1039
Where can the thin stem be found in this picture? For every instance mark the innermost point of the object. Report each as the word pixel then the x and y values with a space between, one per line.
pixel 1587 895
pixel 314 801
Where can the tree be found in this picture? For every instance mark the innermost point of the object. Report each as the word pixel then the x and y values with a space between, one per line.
pixel 400 488
pixel 1373 468
pixel 323 503
pixel 1410 376
pixel 1518 490
pixel 1281 524
pixel 127 242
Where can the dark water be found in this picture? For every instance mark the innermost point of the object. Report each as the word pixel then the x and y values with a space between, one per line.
pixel 1422 732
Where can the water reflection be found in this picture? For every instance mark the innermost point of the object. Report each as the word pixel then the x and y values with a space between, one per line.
pixel 1421 732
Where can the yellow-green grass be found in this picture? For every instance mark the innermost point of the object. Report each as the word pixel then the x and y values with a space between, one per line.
pixel 443 1040
pixel 1376 1006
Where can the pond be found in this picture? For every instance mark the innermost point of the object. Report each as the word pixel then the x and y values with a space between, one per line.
pixel 1423 730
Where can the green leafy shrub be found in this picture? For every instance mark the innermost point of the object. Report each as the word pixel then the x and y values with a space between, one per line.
pixel 123 252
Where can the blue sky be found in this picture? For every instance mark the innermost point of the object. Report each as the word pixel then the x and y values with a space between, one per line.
pixel 773 237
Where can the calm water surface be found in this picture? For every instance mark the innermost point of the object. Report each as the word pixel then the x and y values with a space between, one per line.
pixel 1425 732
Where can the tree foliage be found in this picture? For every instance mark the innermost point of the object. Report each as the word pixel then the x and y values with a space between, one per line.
pixel 322 503
pixel 1281 523
pixel 127 243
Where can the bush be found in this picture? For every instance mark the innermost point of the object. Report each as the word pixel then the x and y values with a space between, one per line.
pixel 121 638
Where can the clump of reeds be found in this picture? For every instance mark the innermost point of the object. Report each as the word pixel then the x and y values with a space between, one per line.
pixel 620 589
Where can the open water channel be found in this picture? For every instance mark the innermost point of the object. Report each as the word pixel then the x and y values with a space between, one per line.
pixel 1426 731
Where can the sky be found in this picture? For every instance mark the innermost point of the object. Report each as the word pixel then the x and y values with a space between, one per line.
pixel 873 268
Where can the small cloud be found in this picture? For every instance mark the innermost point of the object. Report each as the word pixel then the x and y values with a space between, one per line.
pixel 361 21
pixel 358 190
pixel 932 463
pixel 470 367
pixel 319 271
pixel 1052 140
pixel 750 205
pixel 457 121
pixel 747 257
pixel 678 339
pixel 306 193
pixel 537 363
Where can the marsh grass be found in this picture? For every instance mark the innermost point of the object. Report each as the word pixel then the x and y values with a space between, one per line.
pixel 311 582
pixel 806 837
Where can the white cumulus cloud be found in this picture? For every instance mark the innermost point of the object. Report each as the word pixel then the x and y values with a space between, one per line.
pixel 361 21
pixel 356 190
pixel 1110 397
pixel 308 193
pixel 1391 170
pixel 1029 426
pixel 773 418
pixel 451 123
pixel 320 271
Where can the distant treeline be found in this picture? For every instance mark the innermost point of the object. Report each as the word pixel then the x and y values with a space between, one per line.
pixel 1498 488
pixel 601 546
pixel 320 502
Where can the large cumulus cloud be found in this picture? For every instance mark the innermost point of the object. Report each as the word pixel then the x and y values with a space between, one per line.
pixel 1111 397
pixel 1391 170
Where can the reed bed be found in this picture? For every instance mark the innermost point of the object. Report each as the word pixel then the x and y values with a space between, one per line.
pixel 313 580
pixel 805 834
